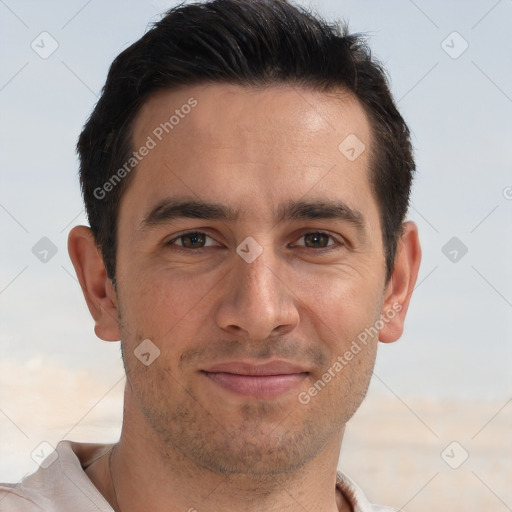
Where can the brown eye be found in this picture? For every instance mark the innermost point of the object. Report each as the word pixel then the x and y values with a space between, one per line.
pixel 316 240
pixel 192 240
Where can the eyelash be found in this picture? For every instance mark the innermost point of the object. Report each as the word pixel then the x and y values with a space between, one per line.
pixel 336 244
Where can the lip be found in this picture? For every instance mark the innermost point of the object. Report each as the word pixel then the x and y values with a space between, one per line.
pixel 262 381
pixel 276 367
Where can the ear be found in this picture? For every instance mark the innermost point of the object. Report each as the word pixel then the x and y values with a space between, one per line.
pixel 98 290
pixel 401 284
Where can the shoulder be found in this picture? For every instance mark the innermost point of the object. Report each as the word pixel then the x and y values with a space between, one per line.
pixel 60 483
pixel 13 498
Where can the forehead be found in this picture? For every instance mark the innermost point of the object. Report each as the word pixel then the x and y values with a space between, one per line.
pixel 231 111
pixel 251 146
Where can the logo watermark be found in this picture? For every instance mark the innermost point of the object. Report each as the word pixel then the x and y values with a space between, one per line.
pixel 344 359
pixel 137 156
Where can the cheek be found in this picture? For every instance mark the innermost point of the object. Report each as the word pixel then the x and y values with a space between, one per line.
pixel 344 317
pixel 341 305
pixel 167 306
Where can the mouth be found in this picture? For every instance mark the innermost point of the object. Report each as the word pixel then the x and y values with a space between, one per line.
pixel 261 381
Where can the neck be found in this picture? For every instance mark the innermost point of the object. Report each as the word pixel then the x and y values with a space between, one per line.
pixel 172 479
pixel 150 474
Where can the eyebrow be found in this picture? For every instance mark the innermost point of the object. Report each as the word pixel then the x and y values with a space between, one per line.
pixel 171 209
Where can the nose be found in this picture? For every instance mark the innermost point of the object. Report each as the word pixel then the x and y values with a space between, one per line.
pixel 258 300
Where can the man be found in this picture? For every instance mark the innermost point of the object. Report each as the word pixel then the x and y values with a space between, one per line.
pixel 246 176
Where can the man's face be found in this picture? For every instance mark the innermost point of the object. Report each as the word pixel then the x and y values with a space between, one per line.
pixel 217 314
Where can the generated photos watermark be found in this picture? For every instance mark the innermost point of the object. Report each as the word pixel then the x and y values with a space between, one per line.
pixel 157 135
pixel 344 359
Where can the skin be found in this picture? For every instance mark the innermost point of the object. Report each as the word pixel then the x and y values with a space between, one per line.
pixel 186 440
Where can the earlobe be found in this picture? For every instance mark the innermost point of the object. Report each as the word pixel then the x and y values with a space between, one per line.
pixel 97 288
pixel 401 285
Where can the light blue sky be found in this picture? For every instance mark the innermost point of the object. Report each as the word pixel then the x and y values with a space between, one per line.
pixel 457 339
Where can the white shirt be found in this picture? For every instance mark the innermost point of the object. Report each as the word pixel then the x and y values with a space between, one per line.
pixel 63 486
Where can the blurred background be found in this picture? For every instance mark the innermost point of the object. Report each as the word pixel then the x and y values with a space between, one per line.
pixel 435 428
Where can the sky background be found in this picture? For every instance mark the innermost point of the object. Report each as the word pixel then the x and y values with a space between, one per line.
pixel 449 64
